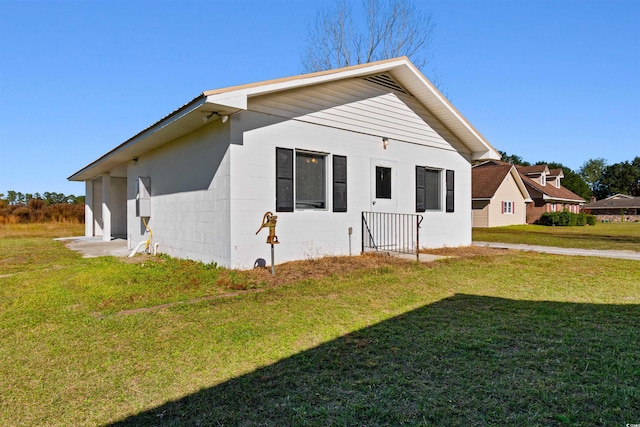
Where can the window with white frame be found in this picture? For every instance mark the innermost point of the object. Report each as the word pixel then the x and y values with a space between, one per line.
pixel 311 185
pixel 508 207
pixel 383 182
pixel 301 181
pixel 429 189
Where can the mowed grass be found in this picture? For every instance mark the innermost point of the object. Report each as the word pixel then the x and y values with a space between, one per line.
pixel 489 338
pixel 615 235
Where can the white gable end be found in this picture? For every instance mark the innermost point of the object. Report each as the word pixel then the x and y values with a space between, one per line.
pixel 363 107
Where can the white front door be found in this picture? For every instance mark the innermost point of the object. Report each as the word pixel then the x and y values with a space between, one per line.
pixel 384 194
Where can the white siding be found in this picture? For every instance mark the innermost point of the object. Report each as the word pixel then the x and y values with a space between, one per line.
pixel 313 233
pixel 360 106
pixel 189 180
pixel 210 189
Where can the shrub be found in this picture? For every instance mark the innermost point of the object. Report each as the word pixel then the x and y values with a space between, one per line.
pixel 564 219
pixel 22 213
pixel 591 219
pixel 581 219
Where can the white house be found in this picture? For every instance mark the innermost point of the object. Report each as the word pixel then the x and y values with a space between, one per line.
pixel 317 150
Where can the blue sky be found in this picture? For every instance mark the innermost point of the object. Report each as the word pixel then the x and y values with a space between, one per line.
pixel 547 80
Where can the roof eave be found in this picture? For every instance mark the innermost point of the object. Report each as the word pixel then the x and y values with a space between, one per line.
pixel 408 76
pixel 230 100
pixel 560 199
pixel 191 117
pixel 420 87
pixel 520 183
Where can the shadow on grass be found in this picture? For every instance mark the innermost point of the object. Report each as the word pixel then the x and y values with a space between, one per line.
pixel 465 360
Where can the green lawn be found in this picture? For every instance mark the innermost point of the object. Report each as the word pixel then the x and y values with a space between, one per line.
pixel 495 338
pixel 615 235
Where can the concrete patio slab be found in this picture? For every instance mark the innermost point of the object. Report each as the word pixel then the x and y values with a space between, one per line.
pixel 93 247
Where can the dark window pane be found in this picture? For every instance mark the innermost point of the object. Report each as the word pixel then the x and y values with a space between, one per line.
pixel 432 189
pixel 310 181
pixel 383 182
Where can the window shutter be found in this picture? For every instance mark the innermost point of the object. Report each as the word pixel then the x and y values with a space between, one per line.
pixel 339 184
pixel 513 207
pixel 450 190
pixel 502 204
pixel 284 180
pixel 420 189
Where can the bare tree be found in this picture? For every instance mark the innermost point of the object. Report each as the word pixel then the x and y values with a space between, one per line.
pixel 387 29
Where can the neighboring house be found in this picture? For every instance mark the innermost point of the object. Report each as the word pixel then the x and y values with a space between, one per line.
pixel 499 197
pixel 317 150
pixel 545 190
pixel 615 207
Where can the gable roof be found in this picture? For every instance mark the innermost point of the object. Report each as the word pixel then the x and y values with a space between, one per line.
pixel 551 192
pixel 527 173
pixel 554 173
pixel 533 170
pixel 617 201
pixel 227 101
pixel 485 181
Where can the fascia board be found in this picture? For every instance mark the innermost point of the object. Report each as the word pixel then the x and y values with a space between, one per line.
pixel 228 102
pixel 401 68
pixel 484 155
pixel 293 82
pixel 518 180
pixel 414 81
pixel 560 199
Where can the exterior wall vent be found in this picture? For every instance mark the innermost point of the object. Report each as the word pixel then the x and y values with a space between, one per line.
pixel 386 81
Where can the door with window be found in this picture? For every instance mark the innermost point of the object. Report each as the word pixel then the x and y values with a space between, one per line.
pixel 384 193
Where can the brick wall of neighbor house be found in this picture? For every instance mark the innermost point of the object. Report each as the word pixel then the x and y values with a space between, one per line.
pixel 571 208
pixel 535 211
pixel 611 211
pixel 618 218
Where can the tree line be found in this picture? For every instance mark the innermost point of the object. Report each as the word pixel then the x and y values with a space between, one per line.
pixel 18 207
pixel 595 177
